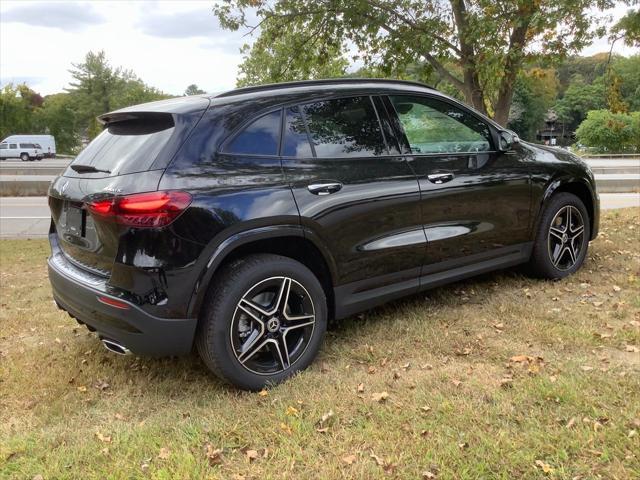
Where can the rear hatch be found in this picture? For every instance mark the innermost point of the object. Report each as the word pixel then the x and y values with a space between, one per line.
pixel 128 157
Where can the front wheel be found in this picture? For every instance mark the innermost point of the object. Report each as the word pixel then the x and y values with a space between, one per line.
pixel 263 320
pixel 562 239
pixel 24 157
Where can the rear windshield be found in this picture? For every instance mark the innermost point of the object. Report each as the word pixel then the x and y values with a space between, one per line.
pixel 128 146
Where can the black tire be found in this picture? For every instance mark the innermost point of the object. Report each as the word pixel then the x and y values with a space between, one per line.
pixel 223 314
pixel 555 255
pixel 24 157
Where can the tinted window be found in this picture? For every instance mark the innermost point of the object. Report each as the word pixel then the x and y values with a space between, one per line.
pixel 4 146
pixel 129 146
pixel 432 126
pixel 12 145
pixel 296 140
pixel 27 145
pixel 345 127
pixel 261 137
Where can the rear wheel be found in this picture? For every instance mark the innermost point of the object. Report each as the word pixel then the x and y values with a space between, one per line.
pixel 562 239
pixel 263 320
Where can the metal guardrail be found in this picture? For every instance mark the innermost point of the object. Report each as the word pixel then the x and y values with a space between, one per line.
pixel 631 156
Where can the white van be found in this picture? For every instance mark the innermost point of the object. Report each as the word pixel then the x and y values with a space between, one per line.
pixel 23 151
pixel 46 144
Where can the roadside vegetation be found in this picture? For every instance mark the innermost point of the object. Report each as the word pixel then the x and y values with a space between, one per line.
pixel 501 376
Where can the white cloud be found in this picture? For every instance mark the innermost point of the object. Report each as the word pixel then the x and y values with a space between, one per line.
pixel 42 55
pixel 74 16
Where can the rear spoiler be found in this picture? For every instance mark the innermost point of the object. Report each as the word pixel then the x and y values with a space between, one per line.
pixel 116 117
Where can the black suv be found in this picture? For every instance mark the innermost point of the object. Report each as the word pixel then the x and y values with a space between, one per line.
pixel 242 222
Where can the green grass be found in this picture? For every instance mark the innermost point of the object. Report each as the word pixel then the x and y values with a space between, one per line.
pixel 69 409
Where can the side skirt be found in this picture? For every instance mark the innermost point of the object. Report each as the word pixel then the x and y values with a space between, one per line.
pixel 354 297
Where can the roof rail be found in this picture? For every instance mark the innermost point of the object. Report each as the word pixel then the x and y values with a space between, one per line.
pixel 323 81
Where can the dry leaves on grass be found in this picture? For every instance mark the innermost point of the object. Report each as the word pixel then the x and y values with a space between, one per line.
pixel 349 459
pixel 381 462
pixel 164 453
pixel 103 438
pixel 213 454
pixel 545 467
pixel 379 396
pixel 322 425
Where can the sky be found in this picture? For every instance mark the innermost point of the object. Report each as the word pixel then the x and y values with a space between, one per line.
pixel 168 44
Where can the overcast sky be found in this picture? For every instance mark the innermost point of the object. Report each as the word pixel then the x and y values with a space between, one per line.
pixel 168 44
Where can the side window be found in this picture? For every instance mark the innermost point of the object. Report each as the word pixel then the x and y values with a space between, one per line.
pixel 3 146
pixel 261 137
pixel 13 145
pixel 344 127
pixel 432 126
pixel 295 141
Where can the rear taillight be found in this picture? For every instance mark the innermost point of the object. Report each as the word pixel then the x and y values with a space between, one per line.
pixel 150 210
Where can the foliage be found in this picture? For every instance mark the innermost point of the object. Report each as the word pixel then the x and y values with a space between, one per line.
pixel 535 92
pixel 578 99
pixel 193 89
pixel 58 117
pixel 610 132
pixel 478 46
pixel 99 88
pixel 628 28
pixel 16 110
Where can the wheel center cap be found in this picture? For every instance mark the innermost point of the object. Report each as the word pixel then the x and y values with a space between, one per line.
pixel 565 237
pixel 273 325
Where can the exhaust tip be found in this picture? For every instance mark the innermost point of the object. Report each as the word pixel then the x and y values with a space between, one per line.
pixel 115 347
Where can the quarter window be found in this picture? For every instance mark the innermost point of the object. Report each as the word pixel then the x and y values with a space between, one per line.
pixel 344 127
pixel 432 126
pixel 261 137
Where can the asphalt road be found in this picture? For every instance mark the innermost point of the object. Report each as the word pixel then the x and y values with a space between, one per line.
pixel 28 217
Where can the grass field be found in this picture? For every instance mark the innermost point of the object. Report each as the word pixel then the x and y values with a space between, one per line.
pixel 501 376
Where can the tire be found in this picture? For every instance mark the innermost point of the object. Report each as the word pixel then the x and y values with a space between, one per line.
pixel 562 239
pixel 238 314
pixel 24 157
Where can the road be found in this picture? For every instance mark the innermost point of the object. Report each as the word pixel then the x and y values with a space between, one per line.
pixel 28 217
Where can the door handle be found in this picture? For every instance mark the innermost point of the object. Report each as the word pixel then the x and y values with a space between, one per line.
pixel 440 177
pixel 324 188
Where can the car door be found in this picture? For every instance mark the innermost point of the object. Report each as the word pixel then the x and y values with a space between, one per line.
pixel 356 193
pixel 475 200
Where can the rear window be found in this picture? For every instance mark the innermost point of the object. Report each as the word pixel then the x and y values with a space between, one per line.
pixel 128 146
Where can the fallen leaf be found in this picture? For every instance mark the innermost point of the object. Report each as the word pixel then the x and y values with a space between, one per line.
pixel 214 455
pixel 292 411
pixel 379 396
pixel 285 428
pixel 164 454
pixel 632 348
pixel 349 459
pixel 360 387
pixel 82 388
pixel 425 408
pixel 103 438
pixel 371 370
pixel 251 455
pixel 546 468
pixel 428 475
pixel 263 393
pixel 616 288
pixel 586 368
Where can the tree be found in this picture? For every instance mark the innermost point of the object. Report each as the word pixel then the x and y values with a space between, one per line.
pixel 478 46
pixel 193 90
pixel 627 29
pixel 99 88
pixel 579 98
pixel 16 110
pixel 534 93
pixel 58 117
pixel 610 132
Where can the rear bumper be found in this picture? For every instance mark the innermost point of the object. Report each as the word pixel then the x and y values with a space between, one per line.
pixel 77 292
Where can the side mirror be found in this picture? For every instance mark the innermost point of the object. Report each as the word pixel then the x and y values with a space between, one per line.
pixel 507 139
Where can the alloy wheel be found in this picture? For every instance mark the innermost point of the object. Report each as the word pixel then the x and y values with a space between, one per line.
pixel 565 238
pixel 272 325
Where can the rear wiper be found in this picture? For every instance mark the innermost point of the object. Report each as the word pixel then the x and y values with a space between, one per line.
pixel 88 169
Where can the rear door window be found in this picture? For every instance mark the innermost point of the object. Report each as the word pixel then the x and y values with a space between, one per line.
pixel 295 138
pixel 129 146
pixel 261 137
pixel 344 127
